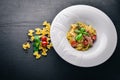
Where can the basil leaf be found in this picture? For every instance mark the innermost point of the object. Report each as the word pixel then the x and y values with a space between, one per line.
pixel 37 39
pixel 77 31
pixel 82 30
pixel 85 33
pixel 35 49
pixel 79 37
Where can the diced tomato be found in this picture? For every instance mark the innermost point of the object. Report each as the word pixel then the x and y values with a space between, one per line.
pixel 93 37
pixel 74 43
pixel 44 43
pixel 85 42
pixel 44 38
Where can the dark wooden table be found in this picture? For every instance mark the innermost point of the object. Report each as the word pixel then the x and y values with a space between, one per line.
pixel 18 16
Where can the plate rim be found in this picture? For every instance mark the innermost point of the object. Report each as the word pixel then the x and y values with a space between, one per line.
pixel 105 15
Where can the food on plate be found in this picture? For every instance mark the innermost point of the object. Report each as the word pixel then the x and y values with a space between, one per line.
pixel 40 39
pixel 81 36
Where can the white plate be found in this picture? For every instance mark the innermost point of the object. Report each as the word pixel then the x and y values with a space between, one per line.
pixel 102 49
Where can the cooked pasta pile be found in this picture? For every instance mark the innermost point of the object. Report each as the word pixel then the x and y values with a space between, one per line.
pixel 81 36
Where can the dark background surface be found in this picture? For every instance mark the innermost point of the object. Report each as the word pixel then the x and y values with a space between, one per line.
pixel 18 16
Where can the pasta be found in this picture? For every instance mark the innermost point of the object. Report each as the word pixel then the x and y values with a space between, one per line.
pixel 40 39
pixel 81 36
